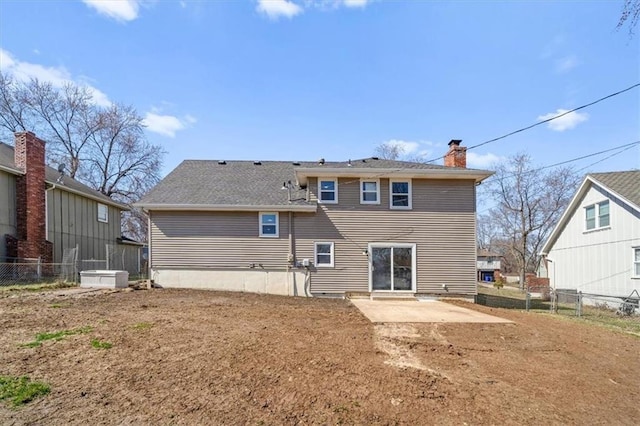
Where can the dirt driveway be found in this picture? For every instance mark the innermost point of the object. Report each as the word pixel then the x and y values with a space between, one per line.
pixel 198 357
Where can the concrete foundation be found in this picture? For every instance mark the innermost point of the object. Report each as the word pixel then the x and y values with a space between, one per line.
pixel 279 282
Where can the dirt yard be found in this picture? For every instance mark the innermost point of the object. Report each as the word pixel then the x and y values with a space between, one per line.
pixel 198 357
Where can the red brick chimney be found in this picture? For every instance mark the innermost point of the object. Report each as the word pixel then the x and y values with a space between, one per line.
pixel 457 155
pixel 30 198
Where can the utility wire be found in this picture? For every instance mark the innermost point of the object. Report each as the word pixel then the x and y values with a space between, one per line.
pixel 620 149
pixel 539 123
pixel 625 146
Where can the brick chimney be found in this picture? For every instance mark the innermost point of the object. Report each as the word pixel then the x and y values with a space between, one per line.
pixel 31 241
pixel 457 155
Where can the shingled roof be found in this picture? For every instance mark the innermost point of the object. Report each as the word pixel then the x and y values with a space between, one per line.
pixel 246 184
pixel 626 184
pixel 7 163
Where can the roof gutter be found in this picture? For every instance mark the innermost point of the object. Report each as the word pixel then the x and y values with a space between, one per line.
pixel 226 207
pixel 303 173
pixel 11 170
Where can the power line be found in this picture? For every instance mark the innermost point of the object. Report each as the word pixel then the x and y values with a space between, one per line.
pixel 539 123
pixel 625 146
pixel 620 149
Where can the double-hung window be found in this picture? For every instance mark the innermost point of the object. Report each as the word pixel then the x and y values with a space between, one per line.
pixel 597 215
pixel 636 262
pixel 369 191
pixel 400 194
pixel 328 191
pixel 269 225
pixel 324 254
pixel 103 213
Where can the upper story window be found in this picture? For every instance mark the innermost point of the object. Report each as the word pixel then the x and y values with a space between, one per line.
pixel 269 225
pixel 369 191
pixel 400 194
pixel 597 215
pixel 636 262
pixel 324 254
pixel 328 191
pixel 103 213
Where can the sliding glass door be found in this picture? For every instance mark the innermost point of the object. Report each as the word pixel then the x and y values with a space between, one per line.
pixel 392 267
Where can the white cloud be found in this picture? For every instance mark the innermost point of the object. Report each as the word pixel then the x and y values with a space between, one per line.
pixel 565 122
pixel 274 9
pixel 166 125
pixel 407 147
pixel 482 161
pixel 120 10
pixel 566 64
pixel 56 76
pixel 355 3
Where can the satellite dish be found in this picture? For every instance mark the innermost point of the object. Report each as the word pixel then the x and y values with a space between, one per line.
pixel 61 168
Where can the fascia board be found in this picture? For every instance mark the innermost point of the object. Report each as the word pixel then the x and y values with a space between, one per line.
pixel 302 174
pixel 225 207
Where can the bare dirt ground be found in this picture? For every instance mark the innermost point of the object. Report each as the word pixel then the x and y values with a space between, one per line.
pixel 198 357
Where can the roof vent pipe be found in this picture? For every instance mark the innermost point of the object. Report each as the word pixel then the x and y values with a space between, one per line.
pixel 321 161
pixel 257 163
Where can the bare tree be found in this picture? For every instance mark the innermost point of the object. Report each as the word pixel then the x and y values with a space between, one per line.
pixel 105 148
pixel 529 202
pixel 389 151
pixel 630 15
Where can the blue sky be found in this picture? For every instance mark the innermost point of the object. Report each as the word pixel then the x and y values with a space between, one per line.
pixel 305 79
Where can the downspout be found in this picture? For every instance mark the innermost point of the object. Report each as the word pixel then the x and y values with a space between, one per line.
pixel 46 211
pixel 150 280
pixel 290 257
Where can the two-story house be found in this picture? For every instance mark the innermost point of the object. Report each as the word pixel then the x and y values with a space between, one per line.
pixel 595 247
pixel 488 265
pixel 43 212
pixel 317 228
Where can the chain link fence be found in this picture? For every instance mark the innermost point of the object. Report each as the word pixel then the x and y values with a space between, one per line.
pixel 595 306
pixel 15 271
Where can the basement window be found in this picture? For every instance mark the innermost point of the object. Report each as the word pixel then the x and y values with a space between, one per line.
pixel 103 213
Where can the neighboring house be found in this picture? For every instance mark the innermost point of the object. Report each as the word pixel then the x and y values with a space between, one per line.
pixel 317 228
pixel 488 265
pixel 43 212
pixel 595 247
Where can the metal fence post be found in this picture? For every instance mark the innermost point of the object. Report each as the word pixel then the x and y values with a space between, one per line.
pixel 528 300
pixel 579 307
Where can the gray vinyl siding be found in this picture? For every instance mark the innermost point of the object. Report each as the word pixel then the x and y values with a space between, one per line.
pixel 441 224
pixel 7 210
pixel 216 240
pixel 73 220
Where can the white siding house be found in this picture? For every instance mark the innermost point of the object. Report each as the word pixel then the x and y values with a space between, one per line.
pixel 595 247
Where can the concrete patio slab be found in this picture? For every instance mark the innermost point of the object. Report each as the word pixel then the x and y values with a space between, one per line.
pixel 420 311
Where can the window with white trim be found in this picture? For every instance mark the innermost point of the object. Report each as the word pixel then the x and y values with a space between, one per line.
pixel 369 191
pixel 269 224
pixel 400 194
pixel 636 262
pixel 103 213
pixel 328 191
pixel 323 254
pixel 597 216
